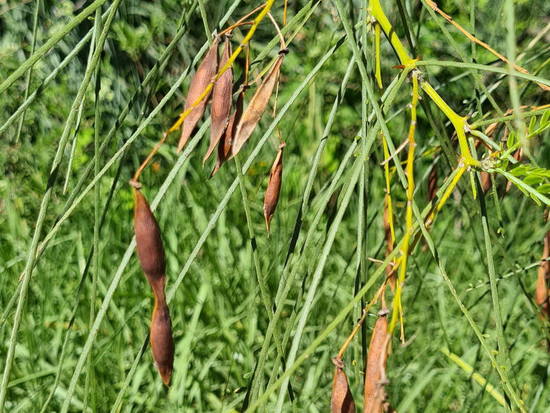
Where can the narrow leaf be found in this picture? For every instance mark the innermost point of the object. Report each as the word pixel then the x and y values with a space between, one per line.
pixel 432 183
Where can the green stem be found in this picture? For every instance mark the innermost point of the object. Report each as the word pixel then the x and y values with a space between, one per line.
pixel 52 41
pixel 29 73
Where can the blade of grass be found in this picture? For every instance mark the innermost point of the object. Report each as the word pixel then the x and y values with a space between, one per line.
pixel 29 73
pixel 44 205
pixel 52 41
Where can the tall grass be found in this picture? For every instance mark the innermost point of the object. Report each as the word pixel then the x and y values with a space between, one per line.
pixel 88 88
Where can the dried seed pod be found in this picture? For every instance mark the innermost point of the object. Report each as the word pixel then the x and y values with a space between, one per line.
pixel 221 101
pixel 162 343
pixel 203 76
pixel 271 197
pixel 256 107
pixel 341 400
pixel 224 146
pixel 486 183
pixel 375 374
pixel 541 290
pixel 151 256
pixel 148 240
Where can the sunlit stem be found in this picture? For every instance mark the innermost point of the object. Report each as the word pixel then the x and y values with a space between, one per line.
pixel 459 123
pixel 380 16
pixel 461 169
pixel 360 322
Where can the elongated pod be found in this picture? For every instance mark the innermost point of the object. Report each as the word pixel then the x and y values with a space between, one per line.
pixel 203 76
pixel 256 107
pixel 151 257
pixel 148 240
pixel 341 400
pixel 226 142
pixel 221 102
pixel 375 375
pixel 162 343
pixel 271 197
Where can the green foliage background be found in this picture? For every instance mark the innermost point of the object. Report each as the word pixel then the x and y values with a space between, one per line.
pixel 218 316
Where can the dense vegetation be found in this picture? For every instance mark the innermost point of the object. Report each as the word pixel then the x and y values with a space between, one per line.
pixel 257 317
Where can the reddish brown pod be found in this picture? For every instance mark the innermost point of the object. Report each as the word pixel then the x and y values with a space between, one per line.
pixel 341 400
pixel 542 298
pixel 162 343
pixel 257 106
pixel 221 101
pixel 151 257
pixel 271 197
pixel 375 374
pixel 148 240
pixel 485 181
pixel 225 143
pixel 203 76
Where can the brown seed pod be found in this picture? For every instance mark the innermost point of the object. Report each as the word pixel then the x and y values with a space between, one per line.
pixel 271 197
pixel 162 343
pixel 375 374
pixel 341 400
pixel 221 101
pixel 203 76
pixel 256 107
pixel 224 146
pixel 148 240
pixel 541 290
pixel 485 178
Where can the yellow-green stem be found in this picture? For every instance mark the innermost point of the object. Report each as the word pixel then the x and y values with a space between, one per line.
pixel 397 307
pixel 387 176
pixel 459 122
pixel 380 16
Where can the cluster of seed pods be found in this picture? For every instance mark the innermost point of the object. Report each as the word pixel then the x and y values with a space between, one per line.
pixel 231 127
pixel 229 130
